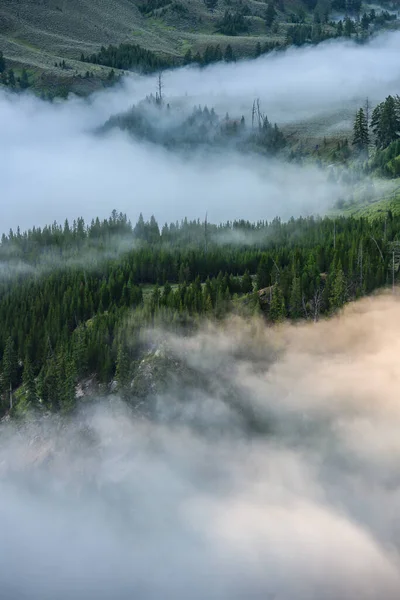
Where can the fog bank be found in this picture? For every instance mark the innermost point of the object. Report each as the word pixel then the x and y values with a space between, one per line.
pixel 52 167
pixel 192 504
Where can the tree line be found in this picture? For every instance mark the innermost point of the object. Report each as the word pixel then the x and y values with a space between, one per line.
pixel 380 128
pixel 60 324
pixel 8 77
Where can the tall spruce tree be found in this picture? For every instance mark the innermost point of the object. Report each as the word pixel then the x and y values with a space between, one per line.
pixel 385 121
pixel 295 302
pixel 28 380
pixel 123 367
pixel 360 132
pixel 9 366
pixel 277 311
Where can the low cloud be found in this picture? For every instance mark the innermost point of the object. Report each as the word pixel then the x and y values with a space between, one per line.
pixel 52 166
pixel 192 503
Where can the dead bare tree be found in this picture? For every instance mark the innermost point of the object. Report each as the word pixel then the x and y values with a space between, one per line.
pixel 360 263
pixel 256 115
pixel 377 245
pixel 160 87
pixel 316 304
pixel 394 264
pixel 304 306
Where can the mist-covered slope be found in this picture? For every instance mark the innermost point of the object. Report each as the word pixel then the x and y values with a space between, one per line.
pixel 189 502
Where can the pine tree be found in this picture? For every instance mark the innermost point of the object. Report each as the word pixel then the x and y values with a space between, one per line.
pixel 24 81
pixel 68 385
pixel 9 366
pixel 361 134
pixel 28 381
pixel 365 22
pixel 277 311
pixel 295 302
pixel 188 58
pixel 80 351
pixel 264 272
pixel 348 27
pixel 2 63
pixel 49 383
pixel 122 373
pixel 11 78
pixel 338 290
pixel 229 55
pixel 385 121
pixel 247 283
pixel 270 14
pixel 211 4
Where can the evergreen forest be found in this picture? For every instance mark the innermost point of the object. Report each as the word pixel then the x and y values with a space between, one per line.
pixel 75 298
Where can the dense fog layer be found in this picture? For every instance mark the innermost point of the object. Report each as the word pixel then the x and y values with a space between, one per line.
pixel 194 502
pixel 52 166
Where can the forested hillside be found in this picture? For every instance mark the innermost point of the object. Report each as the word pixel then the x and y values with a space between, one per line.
pixel 74 299
pixel 54 47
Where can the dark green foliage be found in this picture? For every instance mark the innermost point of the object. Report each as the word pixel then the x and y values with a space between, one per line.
pixel 203 127
pixel 361 134
pixel 348 27
pixel 338 286
pixel 211 4
pixel 349 6
pixel 2 62
pixel 128 56
pixel 28 380
pixel 277 310
pixel 295 301
pixel 229 55
pixel 147 7
pixel 11 78
pixel 24 80
pixel 70 321
pixel 247 283
pixel 301 34
pixel 270 15
pixel 232 24
pixel 385 121
pixel 123 368
pixel 365 21
pixel 9 371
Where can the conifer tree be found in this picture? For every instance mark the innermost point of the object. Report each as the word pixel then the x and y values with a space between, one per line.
pixel 68 385
pixel 229 55
pixel 28 381
pixel 11 78
pixel 270 14
pixel 361 134
pixel 9 366
pixel 277 311
pixel 247 283
pixel 338 290
pixel 385 121
pixel 122 373
pixel 24 81
pixel 295 302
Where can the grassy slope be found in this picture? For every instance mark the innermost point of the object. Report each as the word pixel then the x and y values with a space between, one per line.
pixel 38 33
pixel 386 197
pixel 377 207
